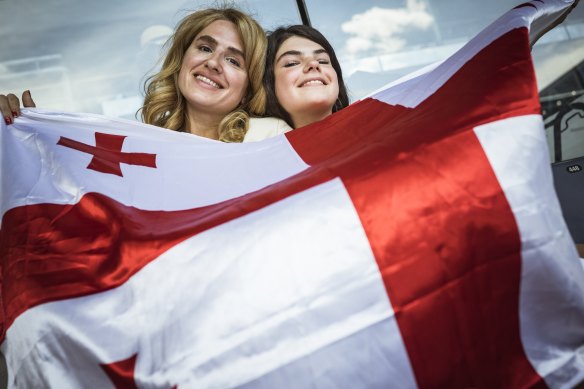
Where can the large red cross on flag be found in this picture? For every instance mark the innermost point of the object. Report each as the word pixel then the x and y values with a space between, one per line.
pixel 412 239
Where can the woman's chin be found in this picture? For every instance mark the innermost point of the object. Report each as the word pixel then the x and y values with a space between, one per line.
pixel 316 104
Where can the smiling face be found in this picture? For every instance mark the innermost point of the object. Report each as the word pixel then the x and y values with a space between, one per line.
pixel 213 77
pixel 306 83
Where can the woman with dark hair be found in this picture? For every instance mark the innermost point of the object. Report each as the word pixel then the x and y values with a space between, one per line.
pixel 303 81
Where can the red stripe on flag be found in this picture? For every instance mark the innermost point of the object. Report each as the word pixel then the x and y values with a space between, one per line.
pixel 442 232
pixel 50 252
pixel 122 372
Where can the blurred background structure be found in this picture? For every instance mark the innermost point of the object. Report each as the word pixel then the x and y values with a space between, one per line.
pixel 93 56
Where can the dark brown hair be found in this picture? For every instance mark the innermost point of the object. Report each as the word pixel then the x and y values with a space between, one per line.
pixel 275 40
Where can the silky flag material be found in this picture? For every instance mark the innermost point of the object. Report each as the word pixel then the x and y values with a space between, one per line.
pixel 413 239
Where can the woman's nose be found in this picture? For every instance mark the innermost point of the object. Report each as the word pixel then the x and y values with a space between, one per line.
pixel 214 63
pixel 312 65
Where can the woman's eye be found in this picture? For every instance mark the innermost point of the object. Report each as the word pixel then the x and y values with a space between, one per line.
pixel 324 61
pixel 234 62
pixel 205 49
pixel 290 64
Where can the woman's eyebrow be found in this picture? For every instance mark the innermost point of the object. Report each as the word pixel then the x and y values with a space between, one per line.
pixel 208 39
pixel 212 41
pixel 289 52
pixel 296 52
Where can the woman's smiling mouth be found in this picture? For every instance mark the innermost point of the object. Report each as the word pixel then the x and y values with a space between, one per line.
pixel 208 81
pixel 313 82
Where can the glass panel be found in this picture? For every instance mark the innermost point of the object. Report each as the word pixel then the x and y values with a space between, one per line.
pixel 92 56
pixel 559 63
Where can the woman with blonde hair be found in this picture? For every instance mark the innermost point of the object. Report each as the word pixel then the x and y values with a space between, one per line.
pixel 210 81
pixel 211 78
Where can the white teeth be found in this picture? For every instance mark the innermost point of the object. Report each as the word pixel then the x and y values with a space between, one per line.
pixel 207 81
pixel 313 82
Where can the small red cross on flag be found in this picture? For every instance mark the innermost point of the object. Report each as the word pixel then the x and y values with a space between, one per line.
pixel 107 153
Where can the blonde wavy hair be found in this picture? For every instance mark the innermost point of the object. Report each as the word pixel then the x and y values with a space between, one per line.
pixel 164 105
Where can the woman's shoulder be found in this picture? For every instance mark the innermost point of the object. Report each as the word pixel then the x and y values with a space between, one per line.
pixel 262 128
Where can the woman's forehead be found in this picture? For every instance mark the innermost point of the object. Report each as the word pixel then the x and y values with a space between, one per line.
pixel 298 43
pixel 224 32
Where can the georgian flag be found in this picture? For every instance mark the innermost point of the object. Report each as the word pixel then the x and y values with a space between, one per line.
pixel 411 240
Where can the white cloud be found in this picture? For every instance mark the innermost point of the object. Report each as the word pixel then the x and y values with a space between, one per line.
pixel 380 30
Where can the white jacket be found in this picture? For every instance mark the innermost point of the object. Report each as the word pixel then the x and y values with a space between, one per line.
pixel 262 128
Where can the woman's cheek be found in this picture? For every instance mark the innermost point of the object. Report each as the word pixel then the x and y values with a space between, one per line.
pixel 282 91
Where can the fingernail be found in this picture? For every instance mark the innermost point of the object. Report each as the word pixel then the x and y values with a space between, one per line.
pixel 8 120
pixel 15 114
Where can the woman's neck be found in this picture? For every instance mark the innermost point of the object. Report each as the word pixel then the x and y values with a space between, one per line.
pixel 203 124
pixel 308 118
